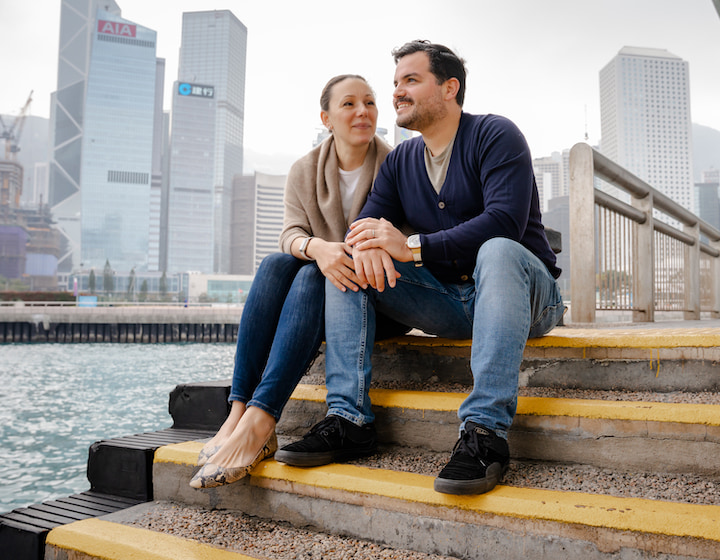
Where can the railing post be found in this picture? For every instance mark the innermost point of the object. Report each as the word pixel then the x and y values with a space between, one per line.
pixel 692 274
pixel 582 234
pixel 644 263
pixel 715 282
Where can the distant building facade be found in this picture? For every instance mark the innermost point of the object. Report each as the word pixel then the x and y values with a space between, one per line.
pixel 645 119
pixel 191 196
pixel 551 176
pixel 102 131
pixel 269 213
pixel 212 56
pixel 243 225
pixel 707 197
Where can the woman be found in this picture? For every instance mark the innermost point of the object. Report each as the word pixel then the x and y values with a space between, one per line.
pixel 282 324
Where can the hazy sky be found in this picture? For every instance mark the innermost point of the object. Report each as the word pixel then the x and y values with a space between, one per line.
pixel 534 61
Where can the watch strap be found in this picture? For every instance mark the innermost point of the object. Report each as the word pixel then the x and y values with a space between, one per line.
pixel 303 248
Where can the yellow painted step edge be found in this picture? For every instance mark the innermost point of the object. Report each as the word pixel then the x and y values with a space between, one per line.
pixel 622 514
pixel 114 541
pixel 704 414
pixel 565 337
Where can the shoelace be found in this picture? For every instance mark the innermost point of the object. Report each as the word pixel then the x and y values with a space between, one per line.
pixel 326 427
pixel 469 444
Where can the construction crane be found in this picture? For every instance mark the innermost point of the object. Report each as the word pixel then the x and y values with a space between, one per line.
pixel 11 172
pixel 11 134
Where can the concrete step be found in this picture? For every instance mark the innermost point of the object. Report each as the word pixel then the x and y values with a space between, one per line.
pixel 401 509
pixel 105 540
pixel 629 435
pixel 628 358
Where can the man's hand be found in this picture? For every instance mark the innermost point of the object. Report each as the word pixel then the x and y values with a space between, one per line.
pixel 372 266
pixel 371 233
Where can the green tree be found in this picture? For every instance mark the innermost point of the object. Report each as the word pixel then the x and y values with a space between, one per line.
pixel 143 290
pixel 13 285
pixel 108 278
pixel 91 281
pixel 131 284
pixel 163 286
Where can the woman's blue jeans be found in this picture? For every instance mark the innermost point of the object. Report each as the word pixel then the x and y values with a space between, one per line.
pixel 280 331
pixel 513 298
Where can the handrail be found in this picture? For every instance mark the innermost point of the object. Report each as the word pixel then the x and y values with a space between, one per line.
pixel 586 164
pixel 620 177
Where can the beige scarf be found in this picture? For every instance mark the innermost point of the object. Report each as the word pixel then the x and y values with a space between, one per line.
pixel 313 205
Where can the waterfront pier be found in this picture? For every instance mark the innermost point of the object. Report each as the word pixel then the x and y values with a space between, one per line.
pixel 22 322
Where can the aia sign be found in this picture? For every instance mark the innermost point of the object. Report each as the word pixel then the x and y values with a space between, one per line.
pixel 116 28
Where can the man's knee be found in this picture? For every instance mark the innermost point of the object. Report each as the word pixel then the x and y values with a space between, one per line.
pixel 499 251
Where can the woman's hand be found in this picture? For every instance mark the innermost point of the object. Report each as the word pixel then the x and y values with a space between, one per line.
pixel 333 260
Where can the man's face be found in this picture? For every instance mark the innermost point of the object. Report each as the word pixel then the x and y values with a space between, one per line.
pixel 417 97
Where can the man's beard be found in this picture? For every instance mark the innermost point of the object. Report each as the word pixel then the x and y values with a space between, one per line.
pixel 421 115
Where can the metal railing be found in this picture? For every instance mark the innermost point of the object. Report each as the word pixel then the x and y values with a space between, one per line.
pixel 634 257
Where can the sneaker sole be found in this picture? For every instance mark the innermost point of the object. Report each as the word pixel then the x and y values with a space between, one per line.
pixel 317 459
pixel 493 476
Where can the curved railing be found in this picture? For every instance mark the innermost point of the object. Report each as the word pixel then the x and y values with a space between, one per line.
pixel 646 255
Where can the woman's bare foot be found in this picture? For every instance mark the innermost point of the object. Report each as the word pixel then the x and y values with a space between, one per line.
pixel 237 410
pixel 247 439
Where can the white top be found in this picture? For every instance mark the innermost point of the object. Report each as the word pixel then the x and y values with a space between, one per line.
pixel 348 185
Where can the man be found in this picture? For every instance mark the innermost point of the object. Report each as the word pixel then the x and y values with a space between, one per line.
pixel 479 266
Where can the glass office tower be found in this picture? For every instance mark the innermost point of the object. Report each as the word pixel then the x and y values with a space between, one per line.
pixel 212 55
pixel 102 119
pixel 645 119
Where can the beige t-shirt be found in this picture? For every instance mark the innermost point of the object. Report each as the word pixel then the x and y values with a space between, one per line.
pixel 437 166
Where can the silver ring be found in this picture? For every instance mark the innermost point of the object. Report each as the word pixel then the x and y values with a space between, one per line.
pixel 373 232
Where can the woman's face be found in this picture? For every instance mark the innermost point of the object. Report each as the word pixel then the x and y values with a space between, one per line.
pixel 352 114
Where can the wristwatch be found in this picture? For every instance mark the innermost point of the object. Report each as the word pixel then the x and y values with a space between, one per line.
pixel 413 243
pixel 303 248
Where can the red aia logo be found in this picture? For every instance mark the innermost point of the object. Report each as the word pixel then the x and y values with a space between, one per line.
pixel 116 28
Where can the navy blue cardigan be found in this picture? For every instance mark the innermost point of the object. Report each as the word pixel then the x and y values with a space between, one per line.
pixel 489 192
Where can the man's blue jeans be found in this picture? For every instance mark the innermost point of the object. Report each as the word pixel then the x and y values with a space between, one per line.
pixel 513 298
pixel 280 332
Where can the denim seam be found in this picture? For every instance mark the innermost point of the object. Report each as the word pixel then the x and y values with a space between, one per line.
pixel 444 291
pixel 262 406
pixel 361 356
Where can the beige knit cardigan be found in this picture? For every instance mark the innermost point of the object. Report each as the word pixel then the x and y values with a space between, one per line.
pixel 313 205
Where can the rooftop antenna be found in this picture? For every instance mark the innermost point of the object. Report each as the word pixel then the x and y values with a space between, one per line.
pixel 587 137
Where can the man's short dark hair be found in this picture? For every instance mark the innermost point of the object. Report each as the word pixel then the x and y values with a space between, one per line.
pixel 444 63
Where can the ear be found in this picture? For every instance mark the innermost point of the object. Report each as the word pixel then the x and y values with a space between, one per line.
pixel 325 118
pixel 451 87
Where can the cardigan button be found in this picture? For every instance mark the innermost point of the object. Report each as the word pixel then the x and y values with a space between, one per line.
pixel 441 205
pixel 464 277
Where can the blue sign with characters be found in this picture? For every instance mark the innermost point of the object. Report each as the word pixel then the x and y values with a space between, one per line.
pixel 195 90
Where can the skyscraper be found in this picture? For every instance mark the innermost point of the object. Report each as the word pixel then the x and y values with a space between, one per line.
pixel 269 209
pixel 549 176
pixel 102 136
pixel 645 119
pixel 212 59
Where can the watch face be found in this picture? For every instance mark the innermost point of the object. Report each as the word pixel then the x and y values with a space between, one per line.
pixel 413 242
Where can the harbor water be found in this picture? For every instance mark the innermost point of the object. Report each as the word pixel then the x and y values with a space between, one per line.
pixel 57 399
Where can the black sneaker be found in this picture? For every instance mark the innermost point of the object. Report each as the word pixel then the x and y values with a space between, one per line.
pixel 332 440
pixel 479 460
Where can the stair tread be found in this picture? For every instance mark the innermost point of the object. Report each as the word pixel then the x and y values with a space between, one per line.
pixel 624 514
pixel 168 531
pixel 657 336
pixel 705 414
